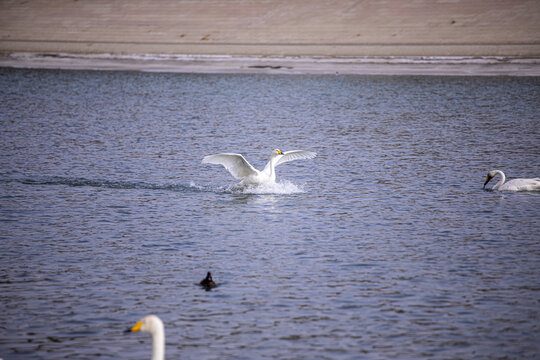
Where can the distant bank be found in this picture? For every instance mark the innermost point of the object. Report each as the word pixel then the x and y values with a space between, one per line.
pixel 273 28
pixel 255 64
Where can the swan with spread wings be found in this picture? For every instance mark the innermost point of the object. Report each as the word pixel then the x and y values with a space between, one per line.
pixel 240 168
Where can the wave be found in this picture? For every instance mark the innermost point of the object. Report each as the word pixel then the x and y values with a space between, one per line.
pixel 111 184
pixel 283 188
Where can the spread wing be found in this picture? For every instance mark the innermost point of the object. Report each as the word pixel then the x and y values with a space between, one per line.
pixel 235 163
pixel 295 155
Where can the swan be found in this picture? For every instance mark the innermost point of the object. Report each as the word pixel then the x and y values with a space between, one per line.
pixel 153 325
pixel 512 185
pixel 241 169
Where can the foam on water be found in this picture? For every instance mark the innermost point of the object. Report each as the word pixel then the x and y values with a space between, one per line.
pixel 280 188
pixel 283 188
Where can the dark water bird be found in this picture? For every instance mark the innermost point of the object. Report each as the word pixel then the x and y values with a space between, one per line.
pixel 207 282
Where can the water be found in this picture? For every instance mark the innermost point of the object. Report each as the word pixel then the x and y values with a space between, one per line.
pixel 383 246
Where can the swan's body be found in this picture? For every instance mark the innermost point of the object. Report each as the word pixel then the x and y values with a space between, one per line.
pixel 153 325
pixel 241 169
pixel 512 185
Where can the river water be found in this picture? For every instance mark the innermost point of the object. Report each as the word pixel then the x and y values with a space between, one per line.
pixel 385 246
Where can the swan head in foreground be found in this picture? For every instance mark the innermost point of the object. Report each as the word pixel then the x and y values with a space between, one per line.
pixel 153 325
pixel 240 168
pixel 512 185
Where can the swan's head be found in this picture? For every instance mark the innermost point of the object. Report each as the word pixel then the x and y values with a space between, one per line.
pixel 490 176
pixel 149 324
pixel 277 152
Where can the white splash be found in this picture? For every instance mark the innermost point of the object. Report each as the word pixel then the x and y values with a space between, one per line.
pixel 197 187
pixel 280 188
pixel 283 188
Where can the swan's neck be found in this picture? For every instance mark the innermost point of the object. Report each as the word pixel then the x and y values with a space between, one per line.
pixel 501 180
pixel 158 345
pixel 269 169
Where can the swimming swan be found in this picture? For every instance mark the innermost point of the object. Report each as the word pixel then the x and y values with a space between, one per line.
pixel 153 325
pixel 241 169
pixel 512 185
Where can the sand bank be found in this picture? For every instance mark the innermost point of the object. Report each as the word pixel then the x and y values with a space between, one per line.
pixel 269 28
pixel 457 37
pixel 462 66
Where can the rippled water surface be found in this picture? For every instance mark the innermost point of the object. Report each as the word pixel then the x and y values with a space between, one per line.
pixel 384 246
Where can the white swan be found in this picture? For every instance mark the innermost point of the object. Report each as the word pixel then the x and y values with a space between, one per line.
pixel 241 169
pixel 512 185
pixel 153 325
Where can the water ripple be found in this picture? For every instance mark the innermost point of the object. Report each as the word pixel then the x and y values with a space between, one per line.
pixel 384 246
pixel 110 184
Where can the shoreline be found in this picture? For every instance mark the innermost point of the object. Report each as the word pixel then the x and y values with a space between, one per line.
pixel 251 64
pixel 394 37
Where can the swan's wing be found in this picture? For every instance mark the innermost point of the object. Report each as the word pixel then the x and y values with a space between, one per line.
pixel 524 184
pixel 521 185
pixel 533 181
pixel 235 163
pixel 295 155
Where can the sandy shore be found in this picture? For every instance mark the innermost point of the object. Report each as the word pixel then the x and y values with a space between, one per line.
pixel 278 27
pixel 321 36
pixel 461 66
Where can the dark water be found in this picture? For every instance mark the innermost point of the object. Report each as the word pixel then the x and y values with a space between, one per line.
pixel 385 246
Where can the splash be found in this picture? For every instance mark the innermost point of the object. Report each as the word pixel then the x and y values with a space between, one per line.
pixel 282 188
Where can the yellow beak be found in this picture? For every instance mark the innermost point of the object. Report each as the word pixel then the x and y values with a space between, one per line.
pixel 136 327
